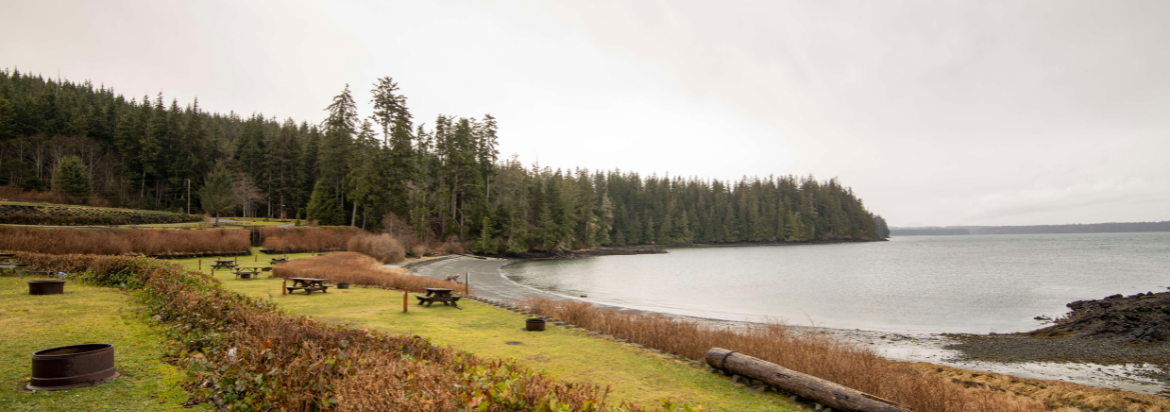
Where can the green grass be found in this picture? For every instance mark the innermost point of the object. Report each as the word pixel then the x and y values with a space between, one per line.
pixel 84 315
pixel 635 374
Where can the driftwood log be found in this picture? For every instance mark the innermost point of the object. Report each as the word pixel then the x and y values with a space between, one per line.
pixel 811 387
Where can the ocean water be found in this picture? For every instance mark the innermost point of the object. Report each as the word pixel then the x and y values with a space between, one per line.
pixel 979 284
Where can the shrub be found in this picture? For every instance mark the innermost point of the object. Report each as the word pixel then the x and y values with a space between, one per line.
pixel 358 269
pixel 61 215
pixel 156 242
pixel 72 178
pixel 382 247
pixel 307 239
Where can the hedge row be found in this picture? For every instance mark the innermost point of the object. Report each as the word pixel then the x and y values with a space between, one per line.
pixel 54 215
pixel 245 354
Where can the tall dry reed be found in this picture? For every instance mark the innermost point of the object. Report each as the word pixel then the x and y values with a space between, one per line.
pixel 382 247
pixel 809 352
pixel 97 241
pixel 307 239
pixel 358 269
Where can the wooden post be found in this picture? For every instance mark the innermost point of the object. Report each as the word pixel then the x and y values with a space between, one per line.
pixel 200 265
pixel 255 258
pixel 283 286
pixel 815 389
pixel 236 259
pixel 405 300
pixel 467 283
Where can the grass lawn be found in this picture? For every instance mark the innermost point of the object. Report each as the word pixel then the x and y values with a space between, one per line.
pixel 634 374
pixel 84 314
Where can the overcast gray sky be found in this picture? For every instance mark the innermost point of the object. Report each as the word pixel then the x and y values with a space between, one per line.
pixel 935 112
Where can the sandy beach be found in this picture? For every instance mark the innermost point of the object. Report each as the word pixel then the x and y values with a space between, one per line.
pixel 487 281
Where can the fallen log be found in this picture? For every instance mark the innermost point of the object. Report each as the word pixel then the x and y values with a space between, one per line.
pixel 811 387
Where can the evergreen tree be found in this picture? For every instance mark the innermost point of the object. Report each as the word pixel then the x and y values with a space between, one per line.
pixel 324 207
pixel 216 195
pixel 72 178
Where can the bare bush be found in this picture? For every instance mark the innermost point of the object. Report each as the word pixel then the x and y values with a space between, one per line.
pixel 358 269
pixel 123 241
pixel 382 247
pixel 307 239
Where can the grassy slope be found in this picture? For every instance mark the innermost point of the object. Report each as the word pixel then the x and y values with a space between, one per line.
pixel 84 315
pixel 634 374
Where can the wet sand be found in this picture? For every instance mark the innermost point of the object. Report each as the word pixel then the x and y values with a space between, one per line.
pixel 487 281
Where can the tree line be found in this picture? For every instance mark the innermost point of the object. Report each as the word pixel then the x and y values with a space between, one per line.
pixel 421 183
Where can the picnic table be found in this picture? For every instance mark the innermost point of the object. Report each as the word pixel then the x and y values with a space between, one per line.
pixel 308 284
pixel 248 272
pixel 223 264
pixel 439 295
pixel 279 260
pixel 6 258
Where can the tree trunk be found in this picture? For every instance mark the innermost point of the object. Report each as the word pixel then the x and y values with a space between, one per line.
pixel 353 218
pixel 815 389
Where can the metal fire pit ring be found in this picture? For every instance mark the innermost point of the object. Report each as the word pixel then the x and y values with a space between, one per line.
pixel 46 287
pixel 534 324
pixel 70 367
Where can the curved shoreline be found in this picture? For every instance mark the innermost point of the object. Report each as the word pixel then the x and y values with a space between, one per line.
pixel 487 280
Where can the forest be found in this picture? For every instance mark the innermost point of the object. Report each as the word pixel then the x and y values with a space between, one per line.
pixel 383 172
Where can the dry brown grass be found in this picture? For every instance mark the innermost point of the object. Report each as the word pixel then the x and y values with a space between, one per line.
pixel 359 269
pixel 307 239
pixel 382 247
pixel 815 354
pixel 123 241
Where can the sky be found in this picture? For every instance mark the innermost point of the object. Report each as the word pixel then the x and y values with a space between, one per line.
pixel 934 112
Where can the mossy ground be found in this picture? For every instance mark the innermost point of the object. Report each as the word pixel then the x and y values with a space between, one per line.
pixel 634 374
pixel 84 314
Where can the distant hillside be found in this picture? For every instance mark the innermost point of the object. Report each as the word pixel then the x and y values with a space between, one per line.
pixel 1023 230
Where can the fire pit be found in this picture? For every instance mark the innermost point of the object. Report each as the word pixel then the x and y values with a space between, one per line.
pixel 46 287
pixel 69 367
pixel 534 325
pixel 343 285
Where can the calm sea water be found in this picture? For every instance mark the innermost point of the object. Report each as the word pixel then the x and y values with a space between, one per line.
pixel 994 283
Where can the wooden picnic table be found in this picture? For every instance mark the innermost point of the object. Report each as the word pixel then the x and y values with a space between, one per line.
pixel 279 260
pixel 439 295
pixel 223 264
pixel 7 258
pixel 248 272
pixel 308 284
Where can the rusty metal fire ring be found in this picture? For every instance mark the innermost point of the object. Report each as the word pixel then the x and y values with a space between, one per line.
pixel 46 287
pixel 70 367
pixel 534 325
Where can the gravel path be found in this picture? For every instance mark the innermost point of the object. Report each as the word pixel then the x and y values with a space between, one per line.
pixel 486 279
